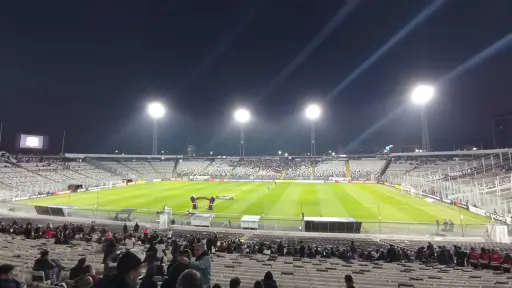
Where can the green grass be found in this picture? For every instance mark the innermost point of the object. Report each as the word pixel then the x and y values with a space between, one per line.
pixel 285 201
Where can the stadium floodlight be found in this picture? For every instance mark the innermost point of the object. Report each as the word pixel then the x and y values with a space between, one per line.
pixel 286 154
pixel 242 116
pixel 156 110
pixel 421 95
pixel 279 152
pixel 313 112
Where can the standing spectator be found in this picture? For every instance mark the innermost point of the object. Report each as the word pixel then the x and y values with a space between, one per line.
pixel 353 250
pixel 160 250
pixel 125 229
pixel 302 250
pixel 6 280
pixel 127 271
pixel 129 242
pixel 202 263
pixel 109 248
pixel 136 228
pixel 258 284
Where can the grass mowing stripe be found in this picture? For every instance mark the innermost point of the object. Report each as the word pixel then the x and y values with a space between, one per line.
pixel 284 200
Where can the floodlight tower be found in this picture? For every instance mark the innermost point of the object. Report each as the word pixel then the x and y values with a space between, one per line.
pixel 421 95
pixel 156 111
pixel 313 112
pixel 242 116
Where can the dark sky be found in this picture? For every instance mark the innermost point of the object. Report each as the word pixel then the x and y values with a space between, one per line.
pixel 90 67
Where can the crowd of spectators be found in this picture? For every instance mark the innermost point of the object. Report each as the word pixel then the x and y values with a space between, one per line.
pixel 184 260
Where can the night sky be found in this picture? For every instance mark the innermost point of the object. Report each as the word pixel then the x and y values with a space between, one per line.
pixel 90 68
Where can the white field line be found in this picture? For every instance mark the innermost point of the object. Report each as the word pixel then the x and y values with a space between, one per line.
pixel 440 206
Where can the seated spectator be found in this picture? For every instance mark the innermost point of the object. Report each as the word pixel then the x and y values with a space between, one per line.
pixel 216 285
pixel 474 258
pixel 175 271
pixel 234 282
pixel 84 282
pixel 190 279
pixel 47 266
pixel 349 281
pixel 506 263
pixel 258 284
pixel 495 260
pixel 127 271
pixel 485 258
pixel 268 280
pixel 80 269
pixel 6 280
pixel 147 280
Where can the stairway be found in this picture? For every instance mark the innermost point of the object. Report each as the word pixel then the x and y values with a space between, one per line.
pixel 101 166
pixel 40 175
pixel 153 167
pixel 175 170
pixel 135 173
pixel 204 169
pixel 384 168
pixel 347 168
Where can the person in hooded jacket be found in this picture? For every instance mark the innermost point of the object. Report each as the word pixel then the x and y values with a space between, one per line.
pixel 268 280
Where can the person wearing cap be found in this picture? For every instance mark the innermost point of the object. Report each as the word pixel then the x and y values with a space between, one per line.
pixel 6 280
pixel 201 264
pixel 127 271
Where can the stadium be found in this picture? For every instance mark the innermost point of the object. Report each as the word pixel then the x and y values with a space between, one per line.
pixel 278 189
pixel 389 197
pixel 265 144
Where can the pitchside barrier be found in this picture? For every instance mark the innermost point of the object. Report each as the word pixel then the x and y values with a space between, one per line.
pixel 264 223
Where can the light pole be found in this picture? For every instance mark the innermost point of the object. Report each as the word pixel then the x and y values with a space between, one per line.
pixel 156 111
pixel 421 95
pixel 313 112
pixel 242 116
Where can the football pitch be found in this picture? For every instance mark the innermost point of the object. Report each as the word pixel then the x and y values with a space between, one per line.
pixel 285 201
